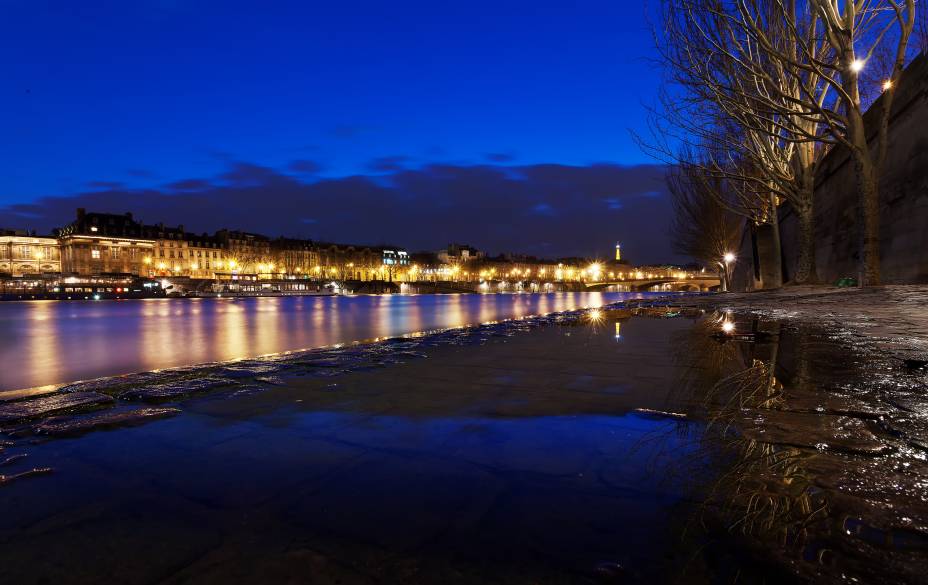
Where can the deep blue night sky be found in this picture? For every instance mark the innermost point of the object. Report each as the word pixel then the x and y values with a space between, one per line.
pixel 504 124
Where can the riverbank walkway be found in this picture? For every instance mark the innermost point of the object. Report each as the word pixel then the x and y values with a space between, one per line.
pixel 894 317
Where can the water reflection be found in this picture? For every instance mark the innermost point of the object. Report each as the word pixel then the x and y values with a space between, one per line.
pixel 47 342
pixel 806 468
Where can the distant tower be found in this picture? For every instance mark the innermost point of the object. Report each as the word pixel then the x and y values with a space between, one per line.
pixel 618 251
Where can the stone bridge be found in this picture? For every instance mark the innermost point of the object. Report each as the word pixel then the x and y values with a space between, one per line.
pixel 663 283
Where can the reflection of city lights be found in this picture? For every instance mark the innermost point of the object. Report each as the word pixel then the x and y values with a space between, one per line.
pixel 618 330
pixel 595 315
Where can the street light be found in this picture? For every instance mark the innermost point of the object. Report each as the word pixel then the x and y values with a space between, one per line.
pixel 857 65
pixel 728 258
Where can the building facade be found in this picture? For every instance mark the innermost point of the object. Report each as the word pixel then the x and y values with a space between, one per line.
pixel 23 254
pixel 245 253
pixel 459 254
pixel 104 243
pixel 362 263
pixel 294 257
pixel 178 253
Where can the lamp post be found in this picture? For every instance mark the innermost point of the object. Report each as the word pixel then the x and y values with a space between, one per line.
pixel 727 260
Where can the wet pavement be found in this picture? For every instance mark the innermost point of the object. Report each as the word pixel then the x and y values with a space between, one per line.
pixel 892 318
pixel 614 445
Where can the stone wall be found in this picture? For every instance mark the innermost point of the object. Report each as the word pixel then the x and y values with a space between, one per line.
pixel 903 196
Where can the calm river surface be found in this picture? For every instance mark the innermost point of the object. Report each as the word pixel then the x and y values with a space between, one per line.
pixel 50 342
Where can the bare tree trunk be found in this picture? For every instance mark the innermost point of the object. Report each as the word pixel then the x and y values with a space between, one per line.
pixel 870 232
pixel 805 265
pixel 776 271
pixel 868 201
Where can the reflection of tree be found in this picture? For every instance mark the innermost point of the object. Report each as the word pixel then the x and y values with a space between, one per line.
pixel 764 491
pixel 794 466
pixel 767 491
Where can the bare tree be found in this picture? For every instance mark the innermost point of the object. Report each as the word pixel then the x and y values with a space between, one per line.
pixel 855 31
pixel 921 27
pixel 728 52
pixel 702 226
pixel 788 74
pixel 721 106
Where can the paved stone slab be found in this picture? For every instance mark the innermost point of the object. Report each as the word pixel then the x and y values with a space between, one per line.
pixel 823 432
pixel 77 425
pixel 53 404
pixel 174 390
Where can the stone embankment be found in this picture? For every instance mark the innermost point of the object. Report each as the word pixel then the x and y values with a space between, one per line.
pixel 894 318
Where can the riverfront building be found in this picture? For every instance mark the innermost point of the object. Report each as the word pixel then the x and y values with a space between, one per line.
pixel 23 254
pixel 459 254
pixel 104 243
pixel 97 244
pixel 180 253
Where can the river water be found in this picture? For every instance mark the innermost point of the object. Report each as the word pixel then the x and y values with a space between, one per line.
pixel 51 342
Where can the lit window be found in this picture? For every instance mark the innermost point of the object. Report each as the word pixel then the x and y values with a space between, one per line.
pixel 95 253
pixel 114 253
pixel 93 228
